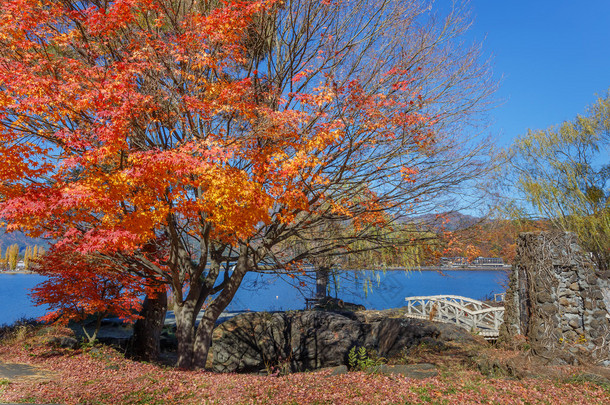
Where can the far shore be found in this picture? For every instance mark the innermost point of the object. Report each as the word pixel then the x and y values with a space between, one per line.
pixel 423 268
pixel 17 272
pixel 443 269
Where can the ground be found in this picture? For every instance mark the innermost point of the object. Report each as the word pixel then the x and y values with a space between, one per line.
pixel 34 371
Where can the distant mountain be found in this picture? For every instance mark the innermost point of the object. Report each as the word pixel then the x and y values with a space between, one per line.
pixel 7 239
pixel 447 221
pixel 458 221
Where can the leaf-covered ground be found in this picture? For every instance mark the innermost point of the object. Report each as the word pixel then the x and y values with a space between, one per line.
pixel 101 375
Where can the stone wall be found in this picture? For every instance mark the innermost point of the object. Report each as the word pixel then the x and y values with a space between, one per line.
pixel 558 300
pixel 308 340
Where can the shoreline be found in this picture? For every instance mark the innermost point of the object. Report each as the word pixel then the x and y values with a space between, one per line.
pixel 17 272
pixel 423 268
pixel 444 269
pixel 433 268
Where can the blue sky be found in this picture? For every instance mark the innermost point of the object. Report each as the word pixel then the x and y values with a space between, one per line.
pixel 553 58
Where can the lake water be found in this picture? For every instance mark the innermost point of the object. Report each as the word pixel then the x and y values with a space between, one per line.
pixel 270 293
pixel 15 302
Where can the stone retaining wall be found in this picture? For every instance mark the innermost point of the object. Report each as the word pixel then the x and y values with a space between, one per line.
pixel 558 300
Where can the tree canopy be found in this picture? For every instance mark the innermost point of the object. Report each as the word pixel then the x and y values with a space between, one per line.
pixel 564 173
pixel 192 141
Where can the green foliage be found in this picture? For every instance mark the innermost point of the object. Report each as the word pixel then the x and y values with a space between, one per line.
pixel 358 360
pixel 564 173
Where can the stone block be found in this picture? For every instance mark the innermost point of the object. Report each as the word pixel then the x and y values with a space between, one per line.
pixel 570 336
pixel 597 295
pixel 548 308
pixel 544 297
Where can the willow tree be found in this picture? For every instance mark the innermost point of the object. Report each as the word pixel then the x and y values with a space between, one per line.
pixel 187 141
pixel 564 172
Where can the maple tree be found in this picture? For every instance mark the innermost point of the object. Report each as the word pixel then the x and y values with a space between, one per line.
pixel 78 286
pixel 192 141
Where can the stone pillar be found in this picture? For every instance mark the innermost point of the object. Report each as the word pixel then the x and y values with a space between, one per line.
pixel 558 300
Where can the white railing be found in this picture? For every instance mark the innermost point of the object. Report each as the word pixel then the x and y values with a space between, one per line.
pixel 499 297
pixel 473 315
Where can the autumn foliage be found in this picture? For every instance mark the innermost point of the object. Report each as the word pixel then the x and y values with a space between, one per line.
pixel 194 141
pixel 78 287
pixel 489 238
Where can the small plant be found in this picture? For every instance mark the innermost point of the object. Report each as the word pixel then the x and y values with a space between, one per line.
pixel 18 331
pixel 359 360
pixel 21 332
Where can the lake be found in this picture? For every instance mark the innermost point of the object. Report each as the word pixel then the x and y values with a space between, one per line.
pixel 270 293
pixel 15 302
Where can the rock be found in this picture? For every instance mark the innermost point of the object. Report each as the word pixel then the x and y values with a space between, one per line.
pixel 334 304
pixel 19 372
pixel 308 340
pixel 415 371
pixel 395 334
pixel 453 333
pixel 64 342
pixel 304 340
pixel 339 370
pixel 544 297
pixel 575 323
pixel 548 308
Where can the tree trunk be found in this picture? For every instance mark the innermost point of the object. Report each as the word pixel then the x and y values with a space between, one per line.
pixel 194 342
pixel 203 341
pixel 321 282
pixel 185 333
pixel 146 341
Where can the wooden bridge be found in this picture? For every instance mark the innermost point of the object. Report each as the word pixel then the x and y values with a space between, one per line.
pixel 473 315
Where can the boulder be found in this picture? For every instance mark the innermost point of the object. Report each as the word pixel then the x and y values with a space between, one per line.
pixel 336 304
pixel 307 340
pixel 303 340
pixel 65 342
